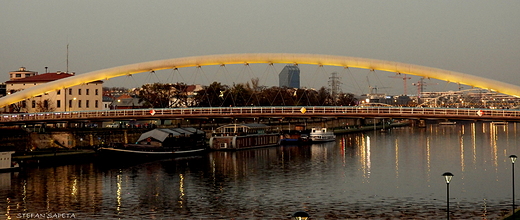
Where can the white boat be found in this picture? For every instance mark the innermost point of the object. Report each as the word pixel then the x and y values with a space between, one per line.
pixel 321 135
pixel 6 162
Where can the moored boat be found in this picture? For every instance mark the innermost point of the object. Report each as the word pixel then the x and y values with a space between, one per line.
pixel 243 136
pixel 157 143
pixel 6 162
pixel 321 135
pixel 294 139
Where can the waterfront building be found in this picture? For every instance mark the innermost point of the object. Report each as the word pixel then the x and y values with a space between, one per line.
pixel 2 89
pixel 107 102
pixel 126 102
pixel 87 96
pixel 289 76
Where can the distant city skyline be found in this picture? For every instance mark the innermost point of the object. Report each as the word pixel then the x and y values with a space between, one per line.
pixel 478 38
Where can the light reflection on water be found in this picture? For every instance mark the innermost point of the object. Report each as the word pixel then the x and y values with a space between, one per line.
pixel 391 175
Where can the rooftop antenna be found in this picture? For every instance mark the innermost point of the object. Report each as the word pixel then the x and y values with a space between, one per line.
pixel 67 71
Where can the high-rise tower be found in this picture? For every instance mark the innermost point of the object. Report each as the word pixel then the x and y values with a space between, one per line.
pixel 289 76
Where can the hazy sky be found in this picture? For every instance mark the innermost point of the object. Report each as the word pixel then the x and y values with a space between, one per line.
pixel 475 37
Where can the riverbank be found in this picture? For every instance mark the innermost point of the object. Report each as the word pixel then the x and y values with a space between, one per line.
pixel 53 157
pixel 383 127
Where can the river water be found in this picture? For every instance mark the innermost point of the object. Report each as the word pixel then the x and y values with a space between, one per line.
pixel 371 175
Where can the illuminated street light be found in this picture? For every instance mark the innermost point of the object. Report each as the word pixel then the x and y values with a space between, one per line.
pixel 447 177
pixel 300 215
pixel 513 160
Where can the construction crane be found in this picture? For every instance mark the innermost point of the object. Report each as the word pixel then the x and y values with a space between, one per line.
pixel 372 88
pixel 375 88
pixel 405 84
pixel 420 86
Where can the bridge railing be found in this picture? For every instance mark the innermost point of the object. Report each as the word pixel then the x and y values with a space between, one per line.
pixel 295 111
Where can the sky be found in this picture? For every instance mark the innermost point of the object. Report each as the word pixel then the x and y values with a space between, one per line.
pixel 478 37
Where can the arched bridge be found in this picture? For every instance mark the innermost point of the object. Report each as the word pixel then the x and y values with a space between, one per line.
pixel 266 112
pixel 269 58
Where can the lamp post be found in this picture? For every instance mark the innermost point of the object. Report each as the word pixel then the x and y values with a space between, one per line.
pixel 447 177
pixel 300 215
pixel 513 159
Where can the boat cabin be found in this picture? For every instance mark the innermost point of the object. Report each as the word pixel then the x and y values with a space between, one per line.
pixel 173 137
pixel 243 136
pixel 242 129
pixel 6 162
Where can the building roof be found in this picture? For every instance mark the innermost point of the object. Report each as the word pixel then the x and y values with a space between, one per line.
pixel 126 100
pixel 42 78
pixel 249 126
pixel 124 96
pixel 46 77
pixel 107 99
pixel 161 134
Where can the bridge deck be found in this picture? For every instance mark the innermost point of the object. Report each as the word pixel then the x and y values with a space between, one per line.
pixel 267 112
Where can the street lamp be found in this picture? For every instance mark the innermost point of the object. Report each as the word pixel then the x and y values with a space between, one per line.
pixel 301 215
pixel 447 177
pixel 513 159
pixel 72 107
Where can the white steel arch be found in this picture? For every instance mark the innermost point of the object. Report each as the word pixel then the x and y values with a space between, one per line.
pixel 223 59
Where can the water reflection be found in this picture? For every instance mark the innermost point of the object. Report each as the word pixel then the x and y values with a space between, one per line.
pixel 367 175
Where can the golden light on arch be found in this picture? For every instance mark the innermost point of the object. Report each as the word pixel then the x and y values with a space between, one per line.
pixel 268 58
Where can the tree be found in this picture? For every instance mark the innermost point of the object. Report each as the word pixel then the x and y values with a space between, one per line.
pixel 180 96
pixel 45 106
pixel 346 99
pixel 240 95
pixel 211 96
pixel 157 95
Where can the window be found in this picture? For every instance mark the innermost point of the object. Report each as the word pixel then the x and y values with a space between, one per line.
pixel 79 91
pixel 96 104
pixel 70 104
pixel 96 91
pixel 79 103
pixel 87 103
pixel 70 91
pixel 33 104
pixel 18 75
pixel 58 92
pixel 45 104
pixel 87 92
pixel 27 74
pixel 58 104
pixel 24 104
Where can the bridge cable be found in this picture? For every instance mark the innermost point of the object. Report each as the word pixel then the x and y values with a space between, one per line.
pixel 172 75
pixel 379 80
pixel 244 86
pixel 354 79
pixel 248 86
pixel 322 70
pixel 199 69
pixel 255 84
pixel 207 88
pixel 156 76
